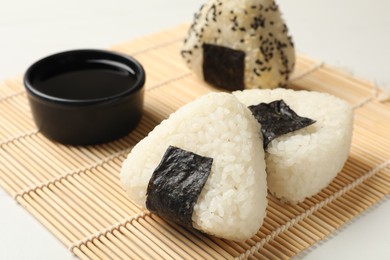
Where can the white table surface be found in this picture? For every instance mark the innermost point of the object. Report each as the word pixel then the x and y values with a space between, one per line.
pixel 352 35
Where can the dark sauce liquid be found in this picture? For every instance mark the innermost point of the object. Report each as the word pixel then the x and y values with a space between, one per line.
pixel 86 80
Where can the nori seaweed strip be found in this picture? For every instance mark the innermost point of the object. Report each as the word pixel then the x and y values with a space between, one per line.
pixel 223 67
pixel 276 119
pixel 176 184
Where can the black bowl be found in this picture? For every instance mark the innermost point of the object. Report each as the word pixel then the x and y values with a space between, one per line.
pixel 84 97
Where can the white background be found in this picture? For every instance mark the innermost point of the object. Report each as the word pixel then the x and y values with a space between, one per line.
pixel 352 35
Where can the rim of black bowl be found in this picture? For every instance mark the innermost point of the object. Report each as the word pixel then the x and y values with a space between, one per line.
pixel 80 55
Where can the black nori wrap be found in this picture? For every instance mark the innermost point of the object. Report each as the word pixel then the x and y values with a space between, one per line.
pixel 276 119
pixel 223 67
pixel 176 184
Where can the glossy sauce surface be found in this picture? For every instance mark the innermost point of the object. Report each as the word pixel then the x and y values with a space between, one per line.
pixel 85 80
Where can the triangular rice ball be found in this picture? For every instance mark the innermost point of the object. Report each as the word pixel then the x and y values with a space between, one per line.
pixel 301 163
pixel 239 44
pixel 233 201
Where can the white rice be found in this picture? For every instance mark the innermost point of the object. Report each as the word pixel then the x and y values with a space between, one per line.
pixel 255 27
pixel 233 202
pixel 301 163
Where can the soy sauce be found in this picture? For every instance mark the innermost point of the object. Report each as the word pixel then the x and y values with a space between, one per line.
pixel 94 79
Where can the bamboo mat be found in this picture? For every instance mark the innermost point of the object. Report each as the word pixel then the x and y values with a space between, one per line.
pixel 75 192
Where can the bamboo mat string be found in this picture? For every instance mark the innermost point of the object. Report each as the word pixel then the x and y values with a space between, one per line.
pixel 13 139
pixel 303 74
pixel 161 84
pixel 160 45
pixel 21 92
pixel 384 94
pixel 103 232
pixel 73 173
pixel 379 94
pixel 316 207
pixel 374 96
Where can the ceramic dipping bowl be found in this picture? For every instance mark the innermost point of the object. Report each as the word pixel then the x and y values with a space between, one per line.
pixel 85 97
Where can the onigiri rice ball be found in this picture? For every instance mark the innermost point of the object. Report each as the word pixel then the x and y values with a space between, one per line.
pixel 240 44
pixel 301 163
pixel 233 200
